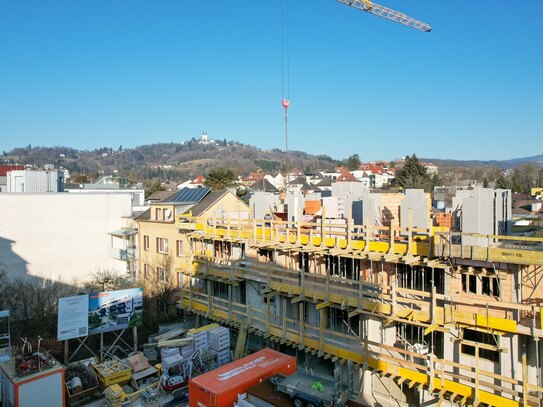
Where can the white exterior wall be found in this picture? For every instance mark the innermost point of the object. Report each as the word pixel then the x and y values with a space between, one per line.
pixel 45 392
pixel 136 195
pixel 35 181
pixel 60 236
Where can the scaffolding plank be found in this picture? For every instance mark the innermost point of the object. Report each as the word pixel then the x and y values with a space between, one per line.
pixel 322 305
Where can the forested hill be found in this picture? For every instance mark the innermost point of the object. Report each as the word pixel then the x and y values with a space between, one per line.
pixel 166 160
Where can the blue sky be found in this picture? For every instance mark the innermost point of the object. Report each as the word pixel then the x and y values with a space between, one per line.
pixel 106 73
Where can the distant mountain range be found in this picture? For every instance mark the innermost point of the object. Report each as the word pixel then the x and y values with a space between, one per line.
pixel 505 164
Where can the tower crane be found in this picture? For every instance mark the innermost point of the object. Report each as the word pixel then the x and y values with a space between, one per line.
pixel 392 15
pixel 364 5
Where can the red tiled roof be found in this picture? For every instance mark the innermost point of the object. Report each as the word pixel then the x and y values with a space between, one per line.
pixel 373 168
pixel 346 176
pixel 199 180
pixel 255 176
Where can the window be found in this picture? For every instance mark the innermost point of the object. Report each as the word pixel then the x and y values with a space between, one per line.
pixel 421 278
pixel 472 284
pixel 339 321
pixel 220 290
pixel 179 248
pixel 265 255
pixel 179 279
pixel 158 214
pixel 243 293
pixel 161 274
pixel 488 285
pixel 161 245
pixel 146 243
pixel 146 271
pixel 469 283
pixel 481 338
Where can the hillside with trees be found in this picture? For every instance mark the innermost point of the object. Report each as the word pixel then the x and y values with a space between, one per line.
pixel 180 161
pixel 166 160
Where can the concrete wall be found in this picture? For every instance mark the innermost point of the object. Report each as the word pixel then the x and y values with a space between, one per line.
pixel 350 191
pixel 486 211
pixel 367 210
pixel 415 205
pixel 59 235
pixel 261 202
pixel 295 202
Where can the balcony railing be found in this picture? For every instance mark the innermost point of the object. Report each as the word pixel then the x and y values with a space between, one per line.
pixel 460 381
pixel 122 254
pixel 427 309
pixel 432 243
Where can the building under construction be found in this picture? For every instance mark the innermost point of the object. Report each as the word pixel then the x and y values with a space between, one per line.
pixel 402 311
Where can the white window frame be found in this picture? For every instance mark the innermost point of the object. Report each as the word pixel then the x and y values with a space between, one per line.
pixel 162 245
pixel 161 274
pixel 146 271
pixel 179 248
pixel 146 243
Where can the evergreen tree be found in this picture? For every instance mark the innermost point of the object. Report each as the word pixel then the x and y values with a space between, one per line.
pixel 353 162
pixel 502 183
pixel 155 186
pixel 414 175
pixel 220 178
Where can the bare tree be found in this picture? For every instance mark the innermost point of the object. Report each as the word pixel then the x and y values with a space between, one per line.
pixel 107 280
pixel 160 287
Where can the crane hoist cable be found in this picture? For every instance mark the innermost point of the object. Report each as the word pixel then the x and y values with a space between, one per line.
pixel 285 71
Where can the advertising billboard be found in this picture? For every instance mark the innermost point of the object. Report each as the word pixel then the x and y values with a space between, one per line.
pixel 90 314
pixel 114 310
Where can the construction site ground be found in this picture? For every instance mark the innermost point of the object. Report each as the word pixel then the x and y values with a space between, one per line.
pixel 164 400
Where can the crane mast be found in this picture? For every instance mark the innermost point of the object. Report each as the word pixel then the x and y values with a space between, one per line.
pixel 392 15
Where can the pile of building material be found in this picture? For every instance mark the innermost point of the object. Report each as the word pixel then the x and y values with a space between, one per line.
pixel 137 362
pixel 175 343
pixel 112 372
pixel 200 336
pixel 80 383
pixel 114 395
pixel 219 342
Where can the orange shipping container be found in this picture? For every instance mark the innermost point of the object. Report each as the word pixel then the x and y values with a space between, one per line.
pixel 220 387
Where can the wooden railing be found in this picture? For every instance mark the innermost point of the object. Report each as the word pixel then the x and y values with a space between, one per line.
pixel 428 309
pixel 462 382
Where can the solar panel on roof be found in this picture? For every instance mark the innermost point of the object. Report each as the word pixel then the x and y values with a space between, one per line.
pixel 191 194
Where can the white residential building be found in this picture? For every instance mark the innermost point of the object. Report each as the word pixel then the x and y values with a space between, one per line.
pixel 60 236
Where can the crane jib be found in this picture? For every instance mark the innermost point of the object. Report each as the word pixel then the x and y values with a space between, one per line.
pixel 389 14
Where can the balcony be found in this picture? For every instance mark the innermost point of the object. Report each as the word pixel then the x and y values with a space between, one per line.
pixel 123 254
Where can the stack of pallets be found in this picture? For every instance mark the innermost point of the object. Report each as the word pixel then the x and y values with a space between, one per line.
pixel 219 342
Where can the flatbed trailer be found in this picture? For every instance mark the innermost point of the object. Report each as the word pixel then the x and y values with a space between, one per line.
pixel 306 390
